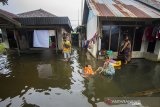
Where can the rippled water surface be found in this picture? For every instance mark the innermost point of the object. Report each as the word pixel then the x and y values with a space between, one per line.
pixel 45 80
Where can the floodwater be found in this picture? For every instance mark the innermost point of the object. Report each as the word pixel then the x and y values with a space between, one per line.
pixel 45 80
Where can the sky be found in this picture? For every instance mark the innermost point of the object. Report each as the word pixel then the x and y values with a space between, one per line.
pixel 70 8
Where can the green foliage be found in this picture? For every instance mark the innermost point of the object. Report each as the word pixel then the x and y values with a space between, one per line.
pixel 2 48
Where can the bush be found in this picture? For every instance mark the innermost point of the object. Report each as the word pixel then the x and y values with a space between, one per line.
pixel 2 48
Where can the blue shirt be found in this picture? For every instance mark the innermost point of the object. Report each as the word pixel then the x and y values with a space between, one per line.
pixel 109 70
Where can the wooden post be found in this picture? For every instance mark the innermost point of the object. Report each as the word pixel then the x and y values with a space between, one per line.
pixel 56 41
pixel 119 38
pixel 27 39
pixel 98 27
pixel 110 33
pixel 134 38
pixel 17 42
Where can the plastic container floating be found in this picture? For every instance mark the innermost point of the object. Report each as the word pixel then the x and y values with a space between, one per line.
pixel 109 52
pixel 117 64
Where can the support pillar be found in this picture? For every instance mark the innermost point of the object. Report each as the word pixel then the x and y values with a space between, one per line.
pixel 110 37
pixel 157 49
pixel 18 48
pixel 144 46
pixel 5 38
pixel 56 38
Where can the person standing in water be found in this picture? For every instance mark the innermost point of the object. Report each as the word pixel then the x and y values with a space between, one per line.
pixel 66 45
pixel 126 49
pixel 68 38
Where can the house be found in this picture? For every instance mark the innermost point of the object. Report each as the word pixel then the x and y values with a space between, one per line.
pixel 33 30
pixel 152 3
pixel 107 21
pixel 79 36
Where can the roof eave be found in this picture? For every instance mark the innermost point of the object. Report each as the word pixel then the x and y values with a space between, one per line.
pixel 113 18
pixel 16 23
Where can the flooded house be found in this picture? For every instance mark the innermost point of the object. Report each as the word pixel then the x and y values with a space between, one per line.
pixel 107 21
pixel 33 30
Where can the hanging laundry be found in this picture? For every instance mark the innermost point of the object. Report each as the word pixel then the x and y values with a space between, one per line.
pixel 41 38
pixel 158 34
pixel 94 39
pixel 87 44
pixel 148 34
pixel 90 45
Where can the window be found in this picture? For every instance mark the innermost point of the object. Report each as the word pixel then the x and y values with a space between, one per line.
pixel 114 38
pixel 138 39
pixel 110 42
pixel 117 36
pixel 105 38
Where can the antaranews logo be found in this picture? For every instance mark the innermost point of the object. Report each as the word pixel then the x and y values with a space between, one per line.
pixel 110 101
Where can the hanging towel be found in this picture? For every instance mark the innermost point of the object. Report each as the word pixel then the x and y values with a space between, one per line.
pixel 41 38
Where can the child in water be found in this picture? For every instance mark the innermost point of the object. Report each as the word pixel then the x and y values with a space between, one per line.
pixel 107 68
pixel 88 70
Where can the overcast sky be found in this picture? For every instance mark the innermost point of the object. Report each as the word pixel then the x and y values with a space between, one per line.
pixel 58 7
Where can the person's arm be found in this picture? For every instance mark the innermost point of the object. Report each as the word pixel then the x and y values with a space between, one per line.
pixel 129 43
pixel 125 45
pixel 104 65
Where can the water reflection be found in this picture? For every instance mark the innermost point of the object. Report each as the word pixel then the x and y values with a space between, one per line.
pixel 46 81
pixel 44 71
pixel 156 77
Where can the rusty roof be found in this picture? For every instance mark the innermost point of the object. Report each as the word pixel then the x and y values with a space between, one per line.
pixel 122 8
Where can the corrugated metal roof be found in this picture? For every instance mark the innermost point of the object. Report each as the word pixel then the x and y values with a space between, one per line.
pixel 152 3
pixel 7 16
pixel 43 18
pixel 44 21
pixel 122 8
pixel 36 13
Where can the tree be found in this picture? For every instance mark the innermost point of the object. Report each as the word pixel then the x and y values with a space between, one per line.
pixel 4 2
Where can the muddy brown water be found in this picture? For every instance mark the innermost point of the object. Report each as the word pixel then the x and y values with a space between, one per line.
pixel 45 80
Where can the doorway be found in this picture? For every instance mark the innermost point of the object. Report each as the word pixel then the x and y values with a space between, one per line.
pixel 11 39
pixel 52 42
